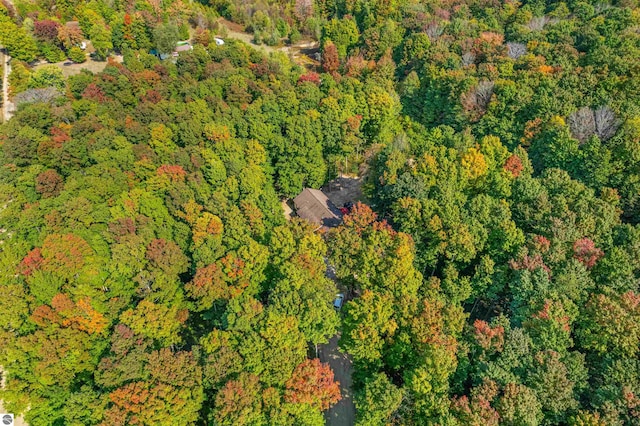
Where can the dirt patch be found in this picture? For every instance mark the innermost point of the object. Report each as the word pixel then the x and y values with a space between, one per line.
pixel 232 26
pixel 344 189
pixel 344 412
pixel 237 32
pixel 7 106
pixel 287 210
pixel 303 52
pixel 70 68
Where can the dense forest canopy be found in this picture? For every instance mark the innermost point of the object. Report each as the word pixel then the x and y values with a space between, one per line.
pixel 148 274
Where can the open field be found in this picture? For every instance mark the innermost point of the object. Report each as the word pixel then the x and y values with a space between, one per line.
pixel 301 52
pixel 69 68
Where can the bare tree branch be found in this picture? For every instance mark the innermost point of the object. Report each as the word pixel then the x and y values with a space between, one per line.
pixel 476 101
pixel 582 124
pixel 539 22
pixel 433 30
pixel 586 122
pixel 468 58
pixel 515 50
pixel 606 123
pixel 483 93
pixel 46 95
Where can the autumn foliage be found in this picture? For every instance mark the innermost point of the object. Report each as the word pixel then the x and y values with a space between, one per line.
pixel 31 262
pixel 586 252
pixel 488 337
pixel 173 172
pixel 330 59
pixel 362 217
pixel 312 382
pixel 46 29
pixel 79 315
pixel 485 157
pixel 94 92
pixel 513 165
pixel 311 77
pixel 64 254
pixel 49 183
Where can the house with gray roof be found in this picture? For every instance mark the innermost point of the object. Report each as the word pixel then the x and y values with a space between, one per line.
pixel 314 206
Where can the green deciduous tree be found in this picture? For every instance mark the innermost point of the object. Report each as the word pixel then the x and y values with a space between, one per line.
pixel 165 37
pixel 377 401
pixel 19 44
pixel 100 37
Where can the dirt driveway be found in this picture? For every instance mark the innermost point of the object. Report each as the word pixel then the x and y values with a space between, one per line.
pixel 340 191
pixel 344 189
pixel 344 412
pixel 7 106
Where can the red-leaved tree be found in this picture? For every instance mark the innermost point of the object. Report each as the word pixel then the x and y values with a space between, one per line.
pixel 489 337
pixel 312 382
pixel 49 183
pixel 586 252
pixel 46 30
pixel 330 60
pixel 311 77
pixel 31 262
pixel 513 165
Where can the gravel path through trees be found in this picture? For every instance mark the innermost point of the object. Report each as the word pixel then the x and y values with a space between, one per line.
pixel 344 412
pixel 7 106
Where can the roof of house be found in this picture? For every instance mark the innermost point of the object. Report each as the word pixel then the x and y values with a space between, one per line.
pixel 314 206
pixel 183 48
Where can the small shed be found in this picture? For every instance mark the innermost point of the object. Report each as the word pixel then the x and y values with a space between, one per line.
pixel 183 48
pixel 314 206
